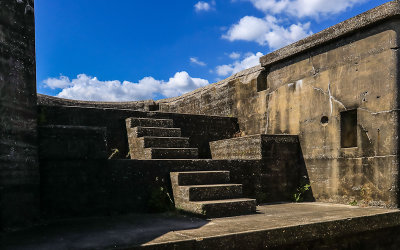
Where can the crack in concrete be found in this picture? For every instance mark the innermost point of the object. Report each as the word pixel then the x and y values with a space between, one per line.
pixel 366 132
pixel 349 158
pixel 379 112
pixel 331 97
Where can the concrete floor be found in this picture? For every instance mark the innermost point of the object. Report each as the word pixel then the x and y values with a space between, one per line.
pixel 273 224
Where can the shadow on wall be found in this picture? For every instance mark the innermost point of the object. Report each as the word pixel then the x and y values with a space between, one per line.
pixel 285 175
pixel 280 174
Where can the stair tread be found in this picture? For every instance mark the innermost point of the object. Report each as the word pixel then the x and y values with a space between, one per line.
pixel 163 137
pixel 157 128
pixel 223 201
pixel 141 131
pixel 174 148
pixel 149 122
pixel 212 185
pixel 142 118
pixel 201 172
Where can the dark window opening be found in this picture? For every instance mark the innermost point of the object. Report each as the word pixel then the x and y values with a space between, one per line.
pixel 262 81
pixel 348 129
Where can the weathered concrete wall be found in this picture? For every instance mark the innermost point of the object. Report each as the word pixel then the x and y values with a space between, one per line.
pixel 280 153
pixel 199 128
pixel 19 173
pixel 306 93
pixel 235 96
pixel 91 187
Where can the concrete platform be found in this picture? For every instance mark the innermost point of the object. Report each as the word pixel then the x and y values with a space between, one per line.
pixel 274 226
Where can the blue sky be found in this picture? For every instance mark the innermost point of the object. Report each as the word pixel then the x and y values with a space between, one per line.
pixel 125 50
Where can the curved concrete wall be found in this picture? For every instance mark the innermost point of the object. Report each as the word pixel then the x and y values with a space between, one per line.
pixel 146 105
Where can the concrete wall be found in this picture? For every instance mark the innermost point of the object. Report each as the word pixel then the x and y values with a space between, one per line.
pixel 72 188
pixel 235 96
pixel 305 95
pixel 359 72
pixel 199 128
pixel 19 173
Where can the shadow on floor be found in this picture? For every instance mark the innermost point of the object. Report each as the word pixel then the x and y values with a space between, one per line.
pixel 99 233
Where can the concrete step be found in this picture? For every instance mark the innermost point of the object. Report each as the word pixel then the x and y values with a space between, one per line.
pixel 170 153
pixel 164 142
pixel 200 177
pixel 210 192
pixel 220 208
pixel 149 122
pixel 155 132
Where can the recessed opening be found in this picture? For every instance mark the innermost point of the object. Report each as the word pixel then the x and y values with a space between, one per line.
pixel 324 120
pixel 262 81
pixel 154 107
pixel 348 128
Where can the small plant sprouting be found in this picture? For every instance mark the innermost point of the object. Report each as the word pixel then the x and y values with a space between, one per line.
pixel 353 203
pixel 300 191
pixel 115 152
pixel 160 200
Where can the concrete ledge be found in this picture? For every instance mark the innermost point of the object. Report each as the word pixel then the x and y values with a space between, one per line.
pixel 61 142
pixel 280 226
pixel 378 14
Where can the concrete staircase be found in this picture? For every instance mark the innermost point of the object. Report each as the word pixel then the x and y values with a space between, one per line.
pixel 157 139
pixel 203 193
pixel 209 194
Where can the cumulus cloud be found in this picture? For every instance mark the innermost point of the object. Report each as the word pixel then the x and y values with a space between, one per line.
pixel 204 6
pixel 234 55
pixel 305 8
pixel 195 60
pixel 267 31
pixel 58 83
pixel 92 89
pixel 249 61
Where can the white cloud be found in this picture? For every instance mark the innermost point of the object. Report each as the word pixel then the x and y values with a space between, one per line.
pixel 224 70
pixel 267 31
pixel 204 6
pixel 305 8
pixel 91 89
pixel 195 60
pixel 249 61
pixel 58 83
pixel 234 55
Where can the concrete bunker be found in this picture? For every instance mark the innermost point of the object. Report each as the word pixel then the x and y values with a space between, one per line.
pixel 329 71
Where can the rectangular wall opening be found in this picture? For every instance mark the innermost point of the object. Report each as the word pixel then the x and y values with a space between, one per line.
pixel 154 107
pixel 262 81
pixel 348 129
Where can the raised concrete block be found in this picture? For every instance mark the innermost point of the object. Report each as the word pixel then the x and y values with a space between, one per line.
pixel 60 142
pixel 255 147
